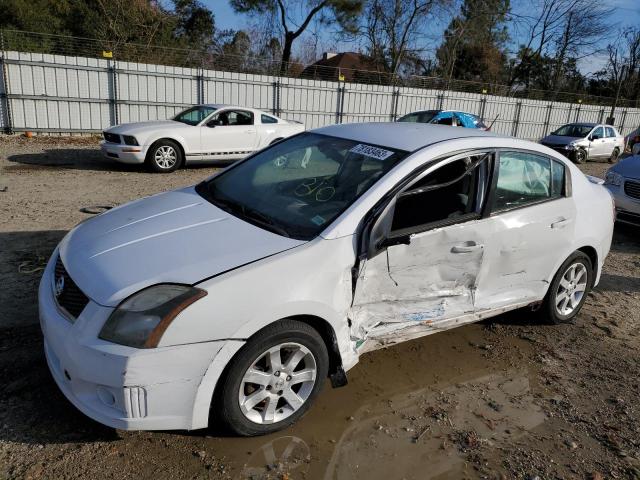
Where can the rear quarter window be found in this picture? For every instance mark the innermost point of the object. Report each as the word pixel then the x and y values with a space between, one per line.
pixel 267 119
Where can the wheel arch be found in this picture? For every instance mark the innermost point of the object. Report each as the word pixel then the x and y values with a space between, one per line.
pixel 592 253
pixel 177 141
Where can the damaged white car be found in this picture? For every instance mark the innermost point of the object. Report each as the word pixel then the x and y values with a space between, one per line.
pixel 236 298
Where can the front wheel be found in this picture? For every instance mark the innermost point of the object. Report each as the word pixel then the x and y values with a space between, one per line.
pixel 273 380
pixel 580 155
pixel 164 157
pixel 569 289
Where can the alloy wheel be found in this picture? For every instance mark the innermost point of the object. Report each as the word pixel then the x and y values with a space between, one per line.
pixel 571 289
pixel 277 383
pixel 165 157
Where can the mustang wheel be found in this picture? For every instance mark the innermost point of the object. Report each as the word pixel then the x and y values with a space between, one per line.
pixel 164 156
pixel 273 380
pixel 569 288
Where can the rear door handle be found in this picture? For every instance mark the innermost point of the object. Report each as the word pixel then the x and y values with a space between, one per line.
pixel 561 223
pixel 466 247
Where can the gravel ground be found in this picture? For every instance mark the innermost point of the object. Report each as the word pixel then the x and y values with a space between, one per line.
pixel 502 399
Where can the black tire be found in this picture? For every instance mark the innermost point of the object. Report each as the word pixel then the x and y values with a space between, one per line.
pixel 550 311
pixel 226 402
pixel 614 155
pixel 580 155
pixel 159 166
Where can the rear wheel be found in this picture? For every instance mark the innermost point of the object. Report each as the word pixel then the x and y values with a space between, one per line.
pixel 580 155
pixel 273 380
pixel 164 156
pixel 614 155
pixel 569 289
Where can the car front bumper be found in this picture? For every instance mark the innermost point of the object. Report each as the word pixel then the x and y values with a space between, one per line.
pixel 119 386
pixel 123 153
pixel 627 208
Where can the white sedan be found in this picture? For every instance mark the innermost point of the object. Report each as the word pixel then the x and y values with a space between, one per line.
pixel 198 134
pixel 240 295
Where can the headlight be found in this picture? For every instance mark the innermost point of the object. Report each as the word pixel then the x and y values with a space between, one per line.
pixel 570 146
pixel 129 140
pixel 613 178
pixel 142 318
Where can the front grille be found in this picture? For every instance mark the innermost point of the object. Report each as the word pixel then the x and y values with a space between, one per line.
pixel 628 217
pixel 632 189
pixel 111 137
pixel 70 297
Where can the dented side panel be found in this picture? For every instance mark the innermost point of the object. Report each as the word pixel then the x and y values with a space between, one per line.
pixel 420 285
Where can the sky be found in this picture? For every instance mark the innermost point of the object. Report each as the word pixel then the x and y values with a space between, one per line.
pixel 626 13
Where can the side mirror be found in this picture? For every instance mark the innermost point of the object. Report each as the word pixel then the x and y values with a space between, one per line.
pixel 594 137
pixel 213 123
pixel 401 240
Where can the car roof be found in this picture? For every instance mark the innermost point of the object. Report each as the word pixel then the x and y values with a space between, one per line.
pixel 584 124
pixel 401 136
pixel 440 111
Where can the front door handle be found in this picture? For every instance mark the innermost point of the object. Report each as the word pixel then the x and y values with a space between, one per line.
pixel 248 131
pixel 466 247
pixel 561 223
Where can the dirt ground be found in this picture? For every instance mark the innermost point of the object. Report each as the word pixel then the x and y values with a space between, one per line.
pixel 502 399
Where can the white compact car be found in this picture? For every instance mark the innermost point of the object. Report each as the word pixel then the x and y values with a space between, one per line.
pixel 240 295
pixel 198 134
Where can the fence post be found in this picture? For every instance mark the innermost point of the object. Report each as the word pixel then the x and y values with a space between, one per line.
pixel 516 124
pixel 547 120
pixel 200 86
pixel 441 101
pixel 578 113
pixel 340 104
pixel 624 118
pixel 4 91
pixel 601 117
pixel 483 106
pixel 394 104
pixel 276 98
pixel 569 113
pixel 113 92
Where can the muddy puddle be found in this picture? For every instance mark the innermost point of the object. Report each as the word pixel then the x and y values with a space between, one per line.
pixel 416 410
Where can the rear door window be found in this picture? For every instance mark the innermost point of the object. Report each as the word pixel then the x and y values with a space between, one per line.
pixel 523 179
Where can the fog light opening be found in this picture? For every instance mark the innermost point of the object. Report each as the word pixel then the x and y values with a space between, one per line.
pixel 106 397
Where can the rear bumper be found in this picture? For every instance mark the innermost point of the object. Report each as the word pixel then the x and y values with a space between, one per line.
pixel 123 153
pixel 119 386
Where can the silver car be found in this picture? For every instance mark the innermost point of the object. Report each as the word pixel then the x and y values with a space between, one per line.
pixel 586 141
pixel 623 181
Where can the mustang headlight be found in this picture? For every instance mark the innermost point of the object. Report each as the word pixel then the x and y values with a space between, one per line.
pixel 129 140
pixel 141 319
pixel 613 178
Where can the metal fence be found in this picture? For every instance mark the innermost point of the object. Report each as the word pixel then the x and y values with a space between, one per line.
pixel 48 92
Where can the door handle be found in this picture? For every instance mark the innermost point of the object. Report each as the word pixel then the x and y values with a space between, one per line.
pixel 248 131
pixel 466 247
pixel 561 223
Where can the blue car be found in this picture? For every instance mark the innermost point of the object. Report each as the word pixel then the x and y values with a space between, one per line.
pixel 445 117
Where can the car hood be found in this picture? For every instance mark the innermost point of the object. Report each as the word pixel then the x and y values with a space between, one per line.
pixel 559 140
pixel 629 167
pixel 175 237
pixel 144 127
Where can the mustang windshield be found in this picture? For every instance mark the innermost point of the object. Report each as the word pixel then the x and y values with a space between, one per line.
pixel 194 115
pixel 297 187
pixel 573 131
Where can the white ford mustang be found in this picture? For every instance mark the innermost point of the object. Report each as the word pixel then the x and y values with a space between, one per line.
pixel 200 133
pixel 241 294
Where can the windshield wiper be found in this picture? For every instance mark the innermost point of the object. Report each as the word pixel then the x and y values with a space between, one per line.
pixel 264 220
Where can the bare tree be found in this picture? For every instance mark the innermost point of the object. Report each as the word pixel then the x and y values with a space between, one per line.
pixel 392 30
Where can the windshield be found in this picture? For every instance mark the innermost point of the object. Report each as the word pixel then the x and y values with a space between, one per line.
pixel 194 115
pixel 419 117
pixel 298 186
pixel 573 131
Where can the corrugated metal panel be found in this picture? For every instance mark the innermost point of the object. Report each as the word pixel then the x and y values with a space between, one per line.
pixel 62 93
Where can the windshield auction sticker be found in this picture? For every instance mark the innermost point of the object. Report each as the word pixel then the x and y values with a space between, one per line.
pixel 373 152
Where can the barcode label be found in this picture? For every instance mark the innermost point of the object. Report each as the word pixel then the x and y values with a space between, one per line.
pixel 373 152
